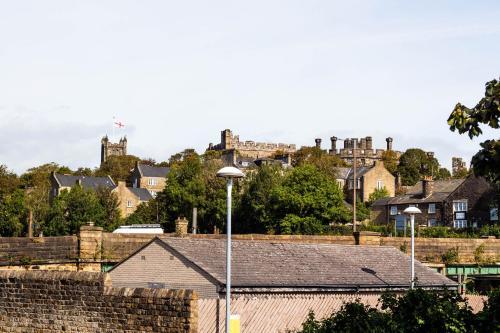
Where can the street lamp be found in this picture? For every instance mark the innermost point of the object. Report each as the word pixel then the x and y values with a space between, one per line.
pixel 229 173
pixel 412 211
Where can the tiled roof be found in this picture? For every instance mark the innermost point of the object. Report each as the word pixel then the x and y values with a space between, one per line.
pixel 153 171
pixel 259 264
pixel 442 189
pixel 142 193
pixel 360 171
pixel 86 181
pixel 343 173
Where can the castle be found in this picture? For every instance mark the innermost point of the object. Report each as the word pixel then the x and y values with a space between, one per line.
pixel 250 148
pixel 112 149
pixel 365 154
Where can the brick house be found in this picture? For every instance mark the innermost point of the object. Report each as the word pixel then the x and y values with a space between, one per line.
pixel 457 203
pixel 149 177
pixel 369 179
pixel 289 278
pixel 129 198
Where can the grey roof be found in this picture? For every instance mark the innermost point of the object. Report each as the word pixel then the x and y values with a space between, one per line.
pixel 262 264
pixel 87 182
pixel 442 189
pixel 153 171
pixel 142 193
pixel 360 171
pixel 343 173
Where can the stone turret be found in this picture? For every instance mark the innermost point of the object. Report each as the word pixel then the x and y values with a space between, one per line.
pixel 318 143
pixel 389 143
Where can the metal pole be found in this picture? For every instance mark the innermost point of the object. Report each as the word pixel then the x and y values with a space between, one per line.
pixel 195 220
pixel 412 222
pixel 228 255
pixel 355 181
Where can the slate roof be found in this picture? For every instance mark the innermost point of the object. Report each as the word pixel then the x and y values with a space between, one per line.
pixel 142 193
pixel 153 171
pixel 343 173
pixel 259 264
pixel 86 181
pixel 360 171
pixel 442 189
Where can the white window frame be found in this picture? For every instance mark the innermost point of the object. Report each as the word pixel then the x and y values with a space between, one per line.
pixel 393 210
pixel 431 222
pixel 432 208
pixel 129 204
pixel 460 206
pixel 152 181
pixel 380 184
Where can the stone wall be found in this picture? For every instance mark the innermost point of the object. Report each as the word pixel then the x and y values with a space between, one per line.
pixel 36 302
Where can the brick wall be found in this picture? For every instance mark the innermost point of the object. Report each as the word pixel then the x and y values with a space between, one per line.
pixel 33 302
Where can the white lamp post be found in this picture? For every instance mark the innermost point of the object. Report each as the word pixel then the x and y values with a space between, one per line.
pixel 229 173
pixel 412 211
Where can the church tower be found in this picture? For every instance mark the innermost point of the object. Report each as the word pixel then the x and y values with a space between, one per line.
pixel 112 149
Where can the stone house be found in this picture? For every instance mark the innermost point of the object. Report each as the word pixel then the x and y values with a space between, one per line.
pixel 270 275
pixel 457 203
pixel 129 198
pixel 368 179
pixel 152 178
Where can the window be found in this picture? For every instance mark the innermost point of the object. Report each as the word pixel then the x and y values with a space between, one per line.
pixel 460 224
pixel 152 181
pixel 380 184
pixel 460 206
pixel 351 184
pixel 394 210
pixel 432 208
pixel 431 222
pixel 129 203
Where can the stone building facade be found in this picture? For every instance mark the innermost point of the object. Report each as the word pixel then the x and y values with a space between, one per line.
pixel 251 149
pixel 112 149
pixel 152 178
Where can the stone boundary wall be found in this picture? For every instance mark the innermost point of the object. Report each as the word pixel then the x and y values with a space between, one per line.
pixel 42 302
pixel 38 250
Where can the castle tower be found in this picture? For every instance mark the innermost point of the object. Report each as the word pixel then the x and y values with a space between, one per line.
pixel 112 149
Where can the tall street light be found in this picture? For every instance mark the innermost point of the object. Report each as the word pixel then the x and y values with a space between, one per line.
pixel 229 173
pixel 412 211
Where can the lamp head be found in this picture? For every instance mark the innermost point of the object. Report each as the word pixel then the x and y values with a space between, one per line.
pixel 412 211
pixel 230 172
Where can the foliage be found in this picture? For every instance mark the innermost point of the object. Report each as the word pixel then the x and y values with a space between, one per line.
pixel 450 256
pixel 9 181
pixel 390 159
pixel 469 120
pixel 416 311
pixel 379 193
pixel 443 174
pixel 415 163
pixel 461 173
pixel 110 203
pixel 447 232
pixel 117 167
pixel 145 213
pixel 12 214
pixel 324 162
pixel 306 192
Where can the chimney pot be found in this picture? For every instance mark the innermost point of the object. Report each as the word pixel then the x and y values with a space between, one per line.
pixel 318 143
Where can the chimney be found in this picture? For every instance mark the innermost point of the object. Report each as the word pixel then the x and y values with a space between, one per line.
pixel 363 143
pixel 318 143
pixel 389 143
pixel 333 140
pixel 369 142
pixel 181 226
pixel 427 186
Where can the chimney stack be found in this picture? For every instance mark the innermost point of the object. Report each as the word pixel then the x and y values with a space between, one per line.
pixel 333 140
pixel 318 143
pixel 181 226
pixel 369 142
pixel 389 143
pixel 427 186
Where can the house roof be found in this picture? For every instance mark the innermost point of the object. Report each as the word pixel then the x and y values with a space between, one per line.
pixel 142 193
pixel 442 189
pixel 153 171
pixel 360 171
pixel 87 182
pixel 260 264
pixel 343 173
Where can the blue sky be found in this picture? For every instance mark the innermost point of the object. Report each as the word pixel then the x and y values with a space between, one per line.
pixel 178 72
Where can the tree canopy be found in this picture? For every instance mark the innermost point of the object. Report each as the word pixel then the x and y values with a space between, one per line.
pixel 415 163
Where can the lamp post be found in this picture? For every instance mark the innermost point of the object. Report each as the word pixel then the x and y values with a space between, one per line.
pixel 229 173
pixel 412 211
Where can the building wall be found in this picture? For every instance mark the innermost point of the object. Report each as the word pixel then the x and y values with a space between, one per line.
pixel 375 174
pixel 84 302
pixel 128 201
pixel 155 266
pixel 161 182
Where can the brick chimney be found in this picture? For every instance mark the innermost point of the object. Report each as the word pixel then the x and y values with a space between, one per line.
pixel 389 143
pixel 333 140
pixel 427 186
pixel 318 143
pixel 181 226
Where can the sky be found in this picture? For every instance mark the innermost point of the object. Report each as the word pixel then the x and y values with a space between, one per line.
pixel 176 73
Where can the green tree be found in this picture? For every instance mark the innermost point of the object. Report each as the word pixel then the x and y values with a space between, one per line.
pixel 12 214
pixel 391 160
pixel 72 209
pixel 443 174
pixel 110 203
pixel 253 211
pixel 461 173
pixel 117 167
pixel 306 192
pixel 9 181
pixel 379 193
pixel 145 213
pixel 469 120
pixel 415 163
pixel 326 163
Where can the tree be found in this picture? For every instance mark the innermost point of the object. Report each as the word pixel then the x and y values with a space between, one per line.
pixel 12 214
pixel 306 192
pixel 117 167
pixel 391 160
pixel 326 163
pixel 469 120
pixel 9 181
pixel 379 193
pixel 110 203
pixel 415 163
pixel 460 173
pixel 443 174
